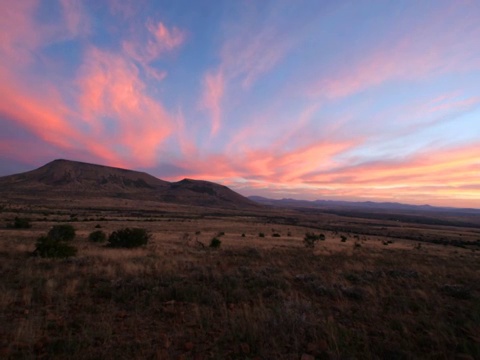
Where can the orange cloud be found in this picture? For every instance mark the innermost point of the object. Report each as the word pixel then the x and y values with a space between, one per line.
pixel 438 174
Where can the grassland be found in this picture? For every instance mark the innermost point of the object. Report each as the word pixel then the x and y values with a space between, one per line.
pixel 374 296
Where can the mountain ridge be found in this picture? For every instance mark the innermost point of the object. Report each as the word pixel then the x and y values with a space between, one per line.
pixel 75 179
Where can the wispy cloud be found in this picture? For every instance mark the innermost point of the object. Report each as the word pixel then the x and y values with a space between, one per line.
pixel 419 53
pixel 112 89
pixel 212 99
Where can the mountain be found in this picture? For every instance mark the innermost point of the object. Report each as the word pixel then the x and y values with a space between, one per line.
pixel 333 205
pixel 73 179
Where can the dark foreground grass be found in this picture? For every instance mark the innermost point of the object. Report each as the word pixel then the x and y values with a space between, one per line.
pixel 244 303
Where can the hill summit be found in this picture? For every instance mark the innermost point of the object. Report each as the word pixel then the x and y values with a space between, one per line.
pixel 74 179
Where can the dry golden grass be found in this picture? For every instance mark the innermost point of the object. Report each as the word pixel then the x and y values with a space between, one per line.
pixel 254 298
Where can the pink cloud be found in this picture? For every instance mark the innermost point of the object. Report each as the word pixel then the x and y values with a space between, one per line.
pixel 161 40
pixel 18 35
pixel 47 116
pixel 125 8
pixel 76 22
pixel 111 87
pixel 214 85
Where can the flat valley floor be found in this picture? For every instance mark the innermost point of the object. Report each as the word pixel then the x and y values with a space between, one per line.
pixel 373 289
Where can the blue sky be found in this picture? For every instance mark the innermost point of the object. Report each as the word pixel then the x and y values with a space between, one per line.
pixel 352 100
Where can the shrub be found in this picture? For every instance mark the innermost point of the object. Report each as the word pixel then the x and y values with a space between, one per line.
pixel 98 226
pixel 215 243
pixel 221 233
pixel 129 238
pixel 311 239
pixel 97 236
pixel 261 235
pixel 20 223
pixel 48 247
pixel 243 235
pixel 276 235
pixel 344 238
pixel 64 232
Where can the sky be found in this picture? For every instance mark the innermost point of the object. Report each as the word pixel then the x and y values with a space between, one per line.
pixel 342 100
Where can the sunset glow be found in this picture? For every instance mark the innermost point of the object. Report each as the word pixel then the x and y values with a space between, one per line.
pixel 359 100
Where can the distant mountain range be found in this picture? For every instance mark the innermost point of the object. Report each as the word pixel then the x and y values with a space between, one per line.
pixel 354 206
pixel 73 179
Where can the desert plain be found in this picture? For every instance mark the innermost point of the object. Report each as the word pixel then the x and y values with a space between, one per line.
pixel 373 289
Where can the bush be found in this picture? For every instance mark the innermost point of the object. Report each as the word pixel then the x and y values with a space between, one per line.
pixel 215 243
pixel 276 235
pixel 261 235
pixel 311 239
pixel 20 223
pixel 343 238
pixel 129 238
pixel 64 232
pixel 52 248
pixel 97 236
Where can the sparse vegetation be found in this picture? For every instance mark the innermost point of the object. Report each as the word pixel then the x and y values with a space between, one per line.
pixel 215 243
pixel 311 239
pixel 19 223
pixel 97 236
pixel 129 238
pixel 48 247
pixel 63 232
pixel 256 298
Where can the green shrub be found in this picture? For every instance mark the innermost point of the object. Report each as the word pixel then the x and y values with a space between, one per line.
pixel 215 243
pixel 129 238
pixel 20 223
pixel 261 235
pixel 51 248
pixel 64 232
pixel 97 236
pixel 311 239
